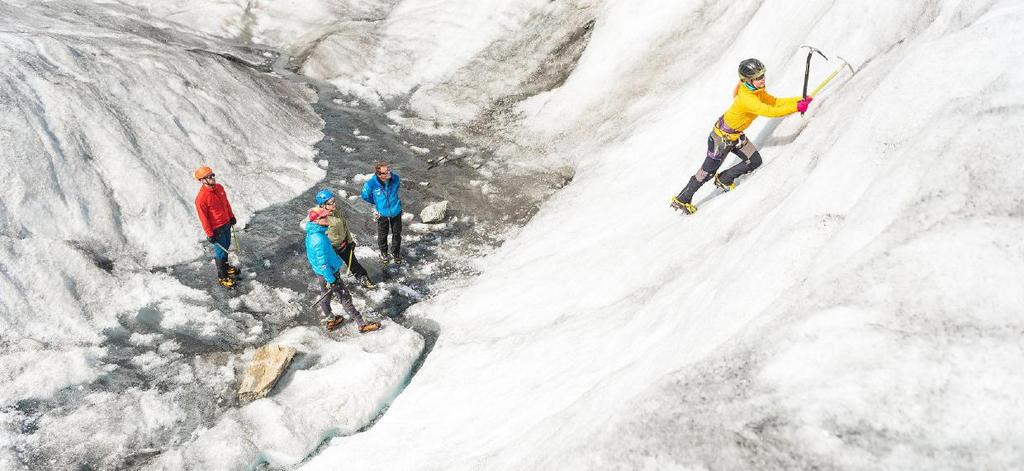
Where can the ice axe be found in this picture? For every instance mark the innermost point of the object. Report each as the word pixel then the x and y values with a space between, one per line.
pixel 221 247
pixel 833 75
pixel 228 252
pixel 322 296
pixel 807 69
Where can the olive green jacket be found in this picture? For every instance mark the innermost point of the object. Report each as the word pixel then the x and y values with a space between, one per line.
pixel 337 231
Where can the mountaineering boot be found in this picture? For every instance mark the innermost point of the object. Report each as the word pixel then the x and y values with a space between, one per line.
pixel 222 268
pixel 679 205
pixel 334 323
pixel 227 282
pixel 369 327
pixel 385 259
pixel 726 187
pixel 396 260
pixel 232 271
pixel 365 281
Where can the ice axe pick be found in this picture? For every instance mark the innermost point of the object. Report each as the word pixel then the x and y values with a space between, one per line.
pixel 807 69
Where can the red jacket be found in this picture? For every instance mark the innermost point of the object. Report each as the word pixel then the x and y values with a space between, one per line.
pixel 213 208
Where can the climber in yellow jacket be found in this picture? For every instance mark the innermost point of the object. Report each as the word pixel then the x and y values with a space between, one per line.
pixel 751 100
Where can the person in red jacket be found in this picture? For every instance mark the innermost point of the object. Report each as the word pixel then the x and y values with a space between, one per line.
pixel 216 217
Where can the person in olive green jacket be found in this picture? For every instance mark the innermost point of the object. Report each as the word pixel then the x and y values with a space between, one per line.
pixel 341 238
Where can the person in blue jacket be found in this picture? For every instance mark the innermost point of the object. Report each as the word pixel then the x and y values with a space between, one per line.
pixel 326 264
pixel 382 191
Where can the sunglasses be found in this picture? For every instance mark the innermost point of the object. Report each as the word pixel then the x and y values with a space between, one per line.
pixel 384 173
pixel 210 176
pixel 330 203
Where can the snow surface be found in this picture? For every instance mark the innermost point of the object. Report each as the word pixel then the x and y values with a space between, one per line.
pixel 341 386
pixel 98 172
pixel 292 25
pixel 446 61
pixel 104 114
pixel 855 303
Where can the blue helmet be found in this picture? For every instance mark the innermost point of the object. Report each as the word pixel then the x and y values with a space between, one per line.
pixel 323 196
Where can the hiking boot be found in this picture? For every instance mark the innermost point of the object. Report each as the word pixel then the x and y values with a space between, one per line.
pixel 232 271
pixel 334 323
pixel 726 187
pixel 681 206
pixel 385 259
pixel 367 283
pixel 369 327
pixel 396 260
pixel 227 282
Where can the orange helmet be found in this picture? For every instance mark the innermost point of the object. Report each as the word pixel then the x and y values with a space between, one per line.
pixel 203 172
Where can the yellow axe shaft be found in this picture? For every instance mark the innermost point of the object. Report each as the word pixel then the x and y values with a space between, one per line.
pixel 828 79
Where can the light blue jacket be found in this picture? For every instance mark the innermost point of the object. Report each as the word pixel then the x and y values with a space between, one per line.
pixel 383 196
pixel 321 256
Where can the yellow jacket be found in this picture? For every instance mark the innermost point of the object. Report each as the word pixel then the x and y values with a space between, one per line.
pixel 749 105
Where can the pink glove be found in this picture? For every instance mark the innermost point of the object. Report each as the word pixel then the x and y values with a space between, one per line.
pixel 801 105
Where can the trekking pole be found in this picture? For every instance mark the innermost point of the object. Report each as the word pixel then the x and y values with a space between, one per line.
pixel 348 266
pixel 321 298
pixel 833 75
pixel 807 69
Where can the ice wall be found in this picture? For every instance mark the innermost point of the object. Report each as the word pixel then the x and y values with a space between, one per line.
pixel 460 64
pixel 854 304
pixel 122 112
pixel 104 115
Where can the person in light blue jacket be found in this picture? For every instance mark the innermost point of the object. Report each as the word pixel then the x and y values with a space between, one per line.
pixel 382 192
pixel 326 264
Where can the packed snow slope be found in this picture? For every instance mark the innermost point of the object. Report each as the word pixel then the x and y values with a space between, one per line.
pixel 104 114
pixel 455 63
pixel 855 303
pixel 98 172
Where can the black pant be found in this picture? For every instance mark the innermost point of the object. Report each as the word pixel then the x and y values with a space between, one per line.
pixel 338 288
pixel 394 224
pixel 718 149
pixel 347 254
